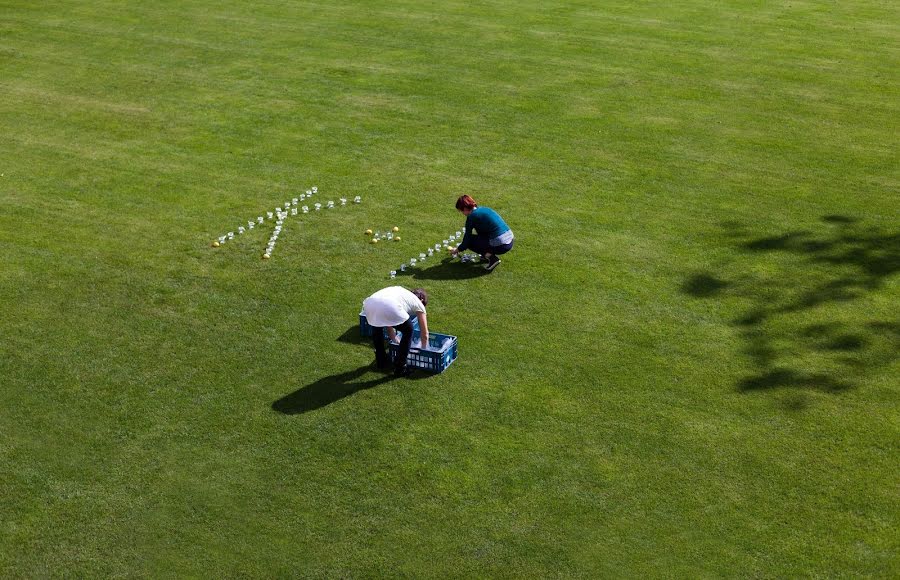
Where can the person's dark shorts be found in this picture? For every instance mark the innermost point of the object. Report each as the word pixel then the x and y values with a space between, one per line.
pixel 498 250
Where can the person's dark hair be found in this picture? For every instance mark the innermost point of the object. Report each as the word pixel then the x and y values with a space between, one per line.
pixel 421 295
pixel 465 202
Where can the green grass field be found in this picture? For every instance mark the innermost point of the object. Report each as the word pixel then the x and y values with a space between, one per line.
pixel 687 367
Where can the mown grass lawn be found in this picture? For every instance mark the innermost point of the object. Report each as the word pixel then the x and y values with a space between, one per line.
pixel 686 367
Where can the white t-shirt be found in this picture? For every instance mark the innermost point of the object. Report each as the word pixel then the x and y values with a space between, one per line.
pixel 391 306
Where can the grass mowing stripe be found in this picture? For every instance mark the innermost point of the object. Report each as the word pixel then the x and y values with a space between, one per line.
pixel 686 365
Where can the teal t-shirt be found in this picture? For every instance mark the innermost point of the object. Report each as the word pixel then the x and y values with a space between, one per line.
pixel 486 222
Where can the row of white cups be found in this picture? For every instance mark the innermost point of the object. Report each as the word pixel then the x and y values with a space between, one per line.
pixel 279 215
pixel 445 245
pixel 290 208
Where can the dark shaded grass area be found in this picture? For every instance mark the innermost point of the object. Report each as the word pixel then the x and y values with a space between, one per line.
pixel 327 390
pixel 840 263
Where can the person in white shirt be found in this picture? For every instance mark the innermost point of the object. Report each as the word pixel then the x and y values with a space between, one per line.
pixel 393 308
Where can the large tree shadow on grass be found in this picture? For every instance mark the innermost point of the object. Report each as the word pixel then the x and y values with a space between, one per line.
pixel 802 328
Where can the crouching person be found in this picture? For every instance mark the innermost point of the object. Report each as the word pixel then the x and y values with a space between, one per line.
pixel 394 308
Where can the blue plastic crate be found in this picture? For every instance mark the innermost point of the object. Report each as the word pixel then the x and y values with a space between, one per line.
pixel 441 353
pixel 365 329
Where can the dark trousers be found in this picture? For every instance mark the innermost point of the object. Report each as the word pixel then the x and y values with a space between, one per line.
pixel 381 358
pixel 482 244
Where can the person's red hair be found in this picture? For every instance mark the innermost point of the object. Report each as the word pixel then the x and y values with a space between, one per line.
pixel 465 202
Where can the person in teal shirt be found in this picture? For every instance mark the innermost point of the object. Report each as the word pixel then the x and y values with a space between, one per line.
pixel 492 236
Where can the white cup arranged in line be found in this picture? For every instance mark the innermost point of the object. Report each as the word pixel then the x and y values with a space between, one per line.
pixel 293 211
pixel 305 209
pixel 403 267
pixel 315 189
pixel 308 192
pixel 393 273
pixel 318 206
pixel 269 215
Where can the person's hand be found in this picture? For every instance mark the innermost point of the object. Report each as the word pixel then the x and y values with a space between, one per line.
pixel 454 251
pixel 424 344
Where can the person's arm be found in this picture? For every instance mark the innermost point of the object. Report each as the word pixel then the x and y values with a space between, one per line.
pixel 423 329
pixel 467 236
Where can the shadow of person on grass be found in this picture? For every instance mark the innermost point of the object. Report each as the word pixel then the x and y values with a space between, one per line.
pixel 353 336
pixel 446 269
pixel 327 390
pixel 819 276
